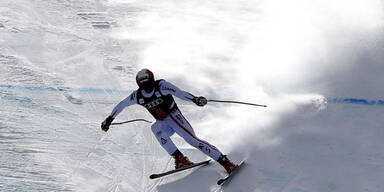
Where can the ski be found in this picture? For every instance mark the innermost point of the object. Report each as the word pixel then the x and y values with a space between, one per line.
pixel 228 177
pixel 155 176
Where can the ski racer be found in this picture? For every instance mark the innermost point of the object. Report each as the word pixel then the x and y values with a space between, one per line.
pixel 157 97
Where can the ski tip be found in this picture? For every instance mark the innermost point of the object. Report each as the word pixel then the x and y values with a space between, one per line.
pixel 153 176
pixel 221 181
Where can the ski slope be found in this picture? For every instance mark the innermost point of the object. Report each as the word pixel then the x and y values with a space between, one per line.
pixel 64 65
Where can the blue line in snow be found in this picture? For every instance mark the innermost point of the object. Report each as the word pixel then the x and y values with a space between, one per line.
pixel 64 89
pixel 357 101
pixel 41 88
pixel 25 101
pixel 9 93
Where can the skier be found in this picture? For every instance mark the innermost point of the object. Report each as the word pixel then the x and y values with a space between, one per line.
pixel 156 97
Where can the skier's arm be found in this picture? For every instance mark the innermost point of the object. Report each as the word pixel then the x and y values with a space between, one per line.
pixel 167 88
pixel 130 100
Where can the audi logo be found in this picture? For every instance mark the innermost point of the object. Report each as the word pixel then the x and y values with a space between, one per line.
pixel 154 103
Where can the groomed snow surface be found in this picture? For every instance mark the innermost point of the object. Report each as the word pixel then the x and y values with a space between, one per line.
pixel 64 65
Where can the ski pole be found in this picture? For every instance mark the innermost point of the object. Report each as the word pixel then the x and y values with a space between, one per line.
pixel 237 102
pixel 130 121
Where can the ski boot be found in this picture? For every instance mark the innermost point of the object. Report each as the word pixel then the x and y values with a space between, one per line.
pixel 180 160
pixel 227 164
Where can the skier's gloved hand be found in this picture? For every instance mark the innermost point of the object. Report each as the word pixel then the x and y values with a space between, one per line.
pixel 200 101
pixel 106 123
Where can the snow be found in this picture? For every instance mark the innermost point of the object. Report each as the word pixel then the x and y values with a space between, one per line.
pixel 64 65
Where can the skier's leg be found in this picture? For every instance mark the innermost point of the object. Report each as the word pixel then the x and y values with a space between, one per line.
pixel 181 126
pixel 162 134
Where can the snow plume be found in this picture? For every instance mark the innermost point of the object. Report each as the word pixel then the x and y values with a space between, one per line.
pixel 268 52
pixel 294 56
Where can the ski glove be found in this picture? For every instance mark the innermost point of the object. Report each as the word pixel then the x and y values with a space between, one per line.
pixel 200 101
pixel 106 123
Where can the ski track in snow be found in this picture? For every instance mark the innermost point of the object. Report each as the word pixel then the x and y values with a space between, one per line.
pixel 65 64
